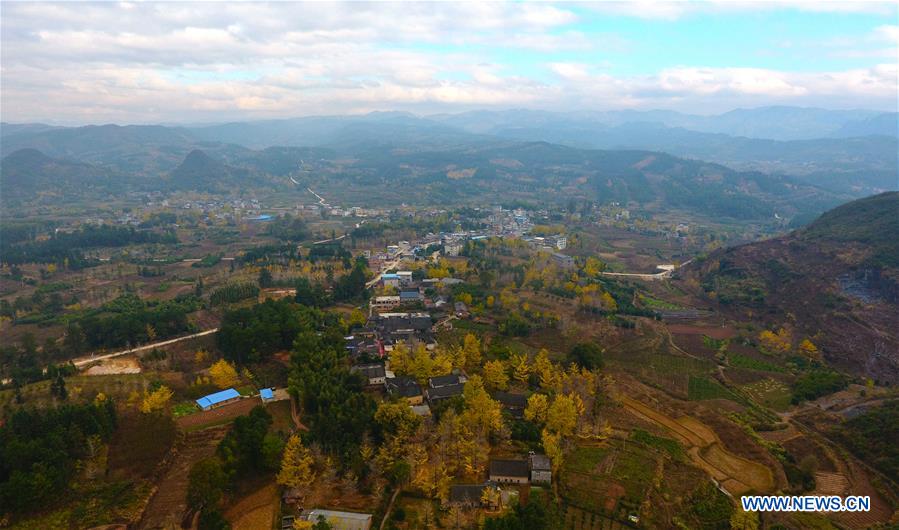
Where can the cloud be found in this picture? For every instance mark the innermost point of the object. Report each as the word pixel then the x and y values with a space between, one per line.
pixel 154 62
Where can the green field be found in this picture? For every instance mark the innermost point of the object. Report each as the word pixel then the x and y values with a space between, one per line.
pixel 702 388
pixel 742 361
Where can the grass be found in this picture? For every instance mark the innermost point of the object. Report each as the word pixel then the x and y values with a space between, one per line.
pixel 738 360
pixel 655 303
pixel 703 388
pixel 184 409
pixel 770 393
pixel 591 475
pixel 672 447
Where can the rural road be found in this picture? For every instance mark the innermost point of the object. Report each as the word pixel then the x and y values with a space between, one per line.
pixel 94 358
pixel 669 270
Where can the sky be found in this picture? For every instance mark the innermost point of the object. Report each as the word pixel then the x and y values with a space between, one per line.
pixel 168 62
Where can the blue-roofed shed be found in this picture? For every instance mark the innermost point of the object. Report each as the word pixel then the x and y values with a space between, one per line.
pixel 218 399
pixel 266 394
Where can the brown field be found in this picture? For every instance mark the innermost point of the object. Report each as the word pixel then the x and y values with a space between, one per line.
pixel 168 503
pixel 256 511
pixel 715 332
pixel 217 416
pixel 738 475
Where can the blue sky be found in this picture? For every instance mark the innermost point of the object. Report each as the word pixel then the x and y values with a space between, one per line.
pixel 164 62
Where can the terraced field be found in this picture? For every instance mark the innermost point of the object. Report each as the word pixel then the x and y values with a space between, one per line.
pixel 735 474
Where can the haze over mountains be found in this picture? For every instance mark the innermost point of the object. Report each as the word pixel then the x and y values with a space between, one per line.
pixel 817 157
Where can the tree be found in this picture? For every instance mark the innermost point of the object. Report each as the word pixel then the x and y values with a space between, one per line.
pixel 223 374
pixel 58 387
pixel 562 415
pixel 587 355
pixel 155 400
pixel 495 375
pixel 808 348
pixel 472 348
pixel 205 483
pixel 297 465
pixel 521 372
pixel 536 409
pixel 265 278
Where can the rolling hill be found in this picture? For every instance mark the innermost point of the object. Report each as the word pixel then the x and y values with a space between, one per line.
pixel 836 280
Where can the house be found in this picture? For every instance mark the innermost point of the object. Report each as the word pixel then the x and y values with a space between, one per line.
pixel 461 310
pixel 566 262
pixel 541 468
pixel 390 280
pixel 218 399
pixel 472 496
pixel 509 471
pixel 410 296
pixel 339 520
pixel 452 249
pixel 441 381
pixel 267 394
pixel 437 394
pixel 421 410
pixel 374 373
pixel 385 303
pixel 405 277
pixel 405 386
pixel 514 403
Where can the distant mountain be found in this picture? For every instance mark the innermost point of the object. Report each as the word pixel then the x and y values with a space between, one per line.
pixel 540 171
pixel 886 124
pixel 27 173
pixel 859 166
pixel 836 280
pixel 198 171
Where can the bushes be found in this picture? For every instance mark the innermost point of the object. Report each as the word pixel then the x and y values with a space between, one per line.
pixel 817 383
pixel 587 355
pixel 234 292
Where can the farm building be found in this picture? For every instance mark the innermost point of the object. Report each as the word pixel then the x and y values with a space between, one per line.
pixel 267 395
pixel 510 471
pixel 218 399
pixel 339 520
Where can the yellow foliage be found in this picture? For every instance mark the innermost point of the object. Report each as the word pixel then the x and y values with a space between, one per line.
pixel 223 374
pixel 297 465
pixel 521 371
pixel 809 349
pixel 495 375
pixel 538 404
pixel 156 400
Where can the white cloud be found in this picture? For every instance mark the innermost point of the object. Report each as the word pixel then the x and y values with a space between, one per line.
pixel 152 62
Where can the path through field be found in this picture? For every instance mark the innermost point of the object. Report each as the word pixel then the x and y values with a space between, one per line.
pixel 168 505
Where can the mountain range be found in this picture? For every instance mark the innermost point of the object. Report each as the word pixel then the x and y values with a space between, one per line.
pixel 594 155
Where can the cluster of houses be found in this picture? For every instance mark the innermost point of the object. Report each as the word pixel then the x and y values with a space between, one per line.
pixel 535 469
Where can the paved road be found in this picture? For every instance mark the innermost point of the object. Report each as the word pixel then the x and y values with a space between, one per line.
pixel 87 360
pixel 643 276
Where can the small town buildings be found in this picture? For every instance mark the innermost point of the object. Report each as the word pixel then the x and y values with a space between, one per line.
pixel 405 386
pixel 452 249
pixel 218 399
pixel 374 373
pixel 541 468
pixel 461 310
pixel 390 280
pixel 510 471
pixel 410 296
pixel 385 303
pixel 445 387
pixel 405 277
pixel 267 394
pixel 339 520
pixel 566 262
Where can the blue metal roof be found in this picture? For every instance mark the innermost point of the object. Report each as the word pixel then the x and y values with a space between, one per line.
pixel 266 393
pixel 390 276
pixel 218 397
